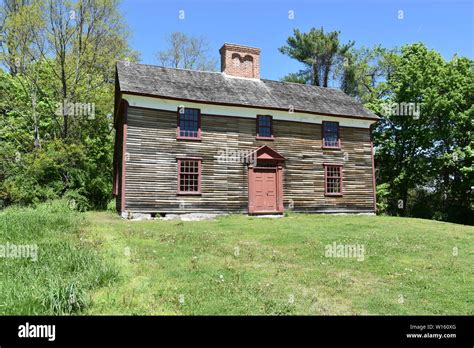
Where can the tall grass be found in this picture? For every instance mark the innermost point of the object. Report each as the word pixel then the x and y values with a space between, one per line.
pixel 65 271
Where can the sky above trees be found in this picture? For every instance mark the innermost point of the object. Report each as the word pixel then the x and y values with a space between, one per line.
pixel 444 25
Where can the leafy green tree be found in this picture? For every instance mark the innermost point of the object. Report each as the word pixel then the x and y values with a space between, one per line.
pixel 67 57
pixel 20 23
pixel 298 77
pixel 430 156
pixel 320 52
pixel 363 70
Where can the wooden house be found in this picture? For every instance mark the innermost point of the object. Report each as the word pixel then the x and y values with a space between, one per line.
pixel 195 141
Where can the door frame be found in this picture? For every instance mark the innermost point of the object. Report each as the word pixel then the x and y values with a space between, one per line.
pixel 272 161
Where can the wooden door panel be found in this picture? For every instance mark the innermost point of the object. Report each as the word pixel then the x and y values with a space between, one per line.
pixel 270 191
pixel 259 194
pixel 264 193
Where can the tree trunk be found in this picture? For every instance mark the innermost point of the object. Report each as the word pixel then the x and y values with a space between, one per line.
pixel 327 69
pixel 315 75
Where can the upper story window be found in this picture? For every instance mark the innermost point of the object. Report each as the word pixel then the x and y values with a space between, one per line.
pixel 264 127
pixel 189 123
pixel 189 175
pixel 333 179
pixel 331 135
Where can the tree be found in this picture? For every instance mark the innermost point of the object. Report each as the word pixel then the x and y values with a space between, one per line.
pixel 427 161
pixel 298 77
pixel 186 52
pixel 79 40
pixel 19 21
pixel 320 52
pixel 67 56
pixel 363 69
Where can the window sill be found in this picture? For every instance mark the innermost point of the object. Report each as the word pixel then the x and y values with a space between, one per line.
pixel 333 194
pixel 264 138
pixel 189 193
pixel 331 147
pixel 188 138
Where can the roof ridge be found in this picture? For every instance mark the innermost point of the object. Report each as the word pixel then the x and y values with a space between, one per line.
pixel 223 74
pixel 169 67
pixel 305 84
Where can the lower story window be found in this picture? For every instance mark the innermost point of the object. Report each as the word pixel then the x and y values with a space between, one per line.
pixel 333 179
pixel 189 176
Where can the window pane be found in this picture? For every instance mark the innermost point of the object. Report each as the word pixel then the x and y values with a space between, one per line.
pixel 264 126
pixel 330 126
pixel 330 140
pixel 189 123
pixel 189 176
pixel 333 179
pixel 264 132
pixel 330 134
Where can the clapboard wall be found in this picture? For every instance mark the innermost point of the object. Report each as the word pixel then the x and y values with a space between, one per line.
pixel 151 165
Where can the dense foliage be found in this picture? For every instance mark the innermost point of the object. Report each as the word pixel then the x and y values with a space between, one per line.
pixel 56 104
pixel 321 53
pixel 425 161
pixel 424 140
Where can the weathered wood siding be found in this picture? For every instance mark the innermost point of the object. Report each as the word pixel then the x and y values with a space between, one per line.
pixel 151 166
pixel 118 156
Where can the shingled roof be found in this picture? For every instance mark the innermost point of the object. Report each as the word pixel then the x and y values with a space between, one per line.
pixel 219 88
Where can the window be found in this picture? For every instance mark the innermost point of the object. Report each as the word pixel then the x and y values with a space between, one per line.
pixel 333 180
pixel 189 176
pixel 189 123
pixel 331 135
pixel 264 127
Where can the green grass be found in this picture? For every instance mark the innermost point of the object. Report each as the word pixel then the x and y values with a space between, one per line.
pixel 67 268
pixel 98 263
pixel 249 266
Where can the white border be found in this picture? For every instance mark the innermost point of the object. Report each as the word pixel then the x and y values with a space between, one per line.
pixel 238 111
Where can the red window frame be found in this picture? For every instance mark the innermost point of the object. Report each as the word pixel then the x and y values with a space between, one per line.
pixel 330 175
pixel 187 175
pixel 178 124
pixel 323 131
pixel 262 137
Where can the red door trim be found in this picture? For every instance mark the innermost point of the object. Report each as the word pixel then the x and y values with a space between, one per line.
pixel 278 170
pixel 266 155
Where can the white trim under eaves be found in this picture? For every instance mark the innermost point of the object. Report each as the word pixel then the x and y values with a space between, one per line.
pixel 238 111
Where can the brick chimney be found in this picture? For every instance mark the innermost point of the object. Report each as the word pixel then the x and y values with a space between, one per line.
pixel 241 61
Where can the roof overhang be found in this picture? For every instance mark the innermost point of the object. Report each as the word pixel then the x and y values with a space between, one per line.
pixel 244 111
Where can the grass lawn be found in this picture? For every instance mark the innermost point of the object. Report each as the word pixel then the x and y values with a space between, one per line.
pixel 244 265
pixel 57 270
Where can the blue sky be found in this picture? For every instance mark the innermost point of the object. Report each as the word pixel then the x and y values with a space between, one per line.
pixel 444 25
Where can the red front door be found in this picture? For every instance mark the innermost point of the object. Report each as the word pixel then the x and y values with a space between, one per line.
pixel 266 182
pixel 265 191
